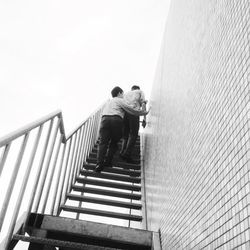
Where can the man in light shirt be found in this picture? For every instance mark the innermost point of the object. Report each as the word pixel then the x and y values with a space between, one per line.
pixel 111 127
pixel 136 98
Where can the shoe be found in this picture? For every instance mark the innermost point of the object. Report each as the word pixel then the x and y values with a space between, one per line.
pixel 99 168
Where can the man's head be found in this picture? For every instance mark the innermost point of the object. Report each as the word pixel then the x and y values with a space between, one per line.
pixel 116 91
pixel 134 87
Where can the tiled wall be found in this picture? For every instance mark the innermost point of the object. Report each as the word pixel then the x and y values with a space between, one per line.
pixel 197 143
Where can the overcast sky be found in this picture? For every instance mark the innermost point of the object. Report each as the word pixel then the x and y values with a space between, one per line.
pixel 68 55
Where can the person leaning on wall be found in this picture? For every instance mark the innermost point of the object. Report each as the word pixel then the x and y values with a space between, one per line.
pixel 111 127
pixel 135 98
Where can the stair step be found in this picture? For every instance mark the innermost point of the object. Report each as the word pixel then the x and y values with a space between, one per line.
pixel 118 163
pixel 115 170
pixel 56 243
pixel 116 157
pixel 123 165
pixel 106 192
pixel 108 184
pixel 111 176
pixel 87 232
pixel 101 213
pixel 137 142
pixel 129 205
pixel 134 154
pixel 136 148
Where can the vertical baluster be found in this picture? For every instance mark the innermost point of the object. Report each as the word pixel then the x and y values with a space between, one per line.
pixel 40 190
pixel 23 187
pixel 91 134
pixel 83 158
pixel 4 157
pixel 53 167
pixel 82 149
pixel 60 175
pixel 40 167
pixel 75 158
pixel 88 137
pixel 78 153
pixel 62 196
pixel 78 164
pixel 82 155
pixel 13 179
pixel 96 126
pixel 77 161
pixel 71 166
pixel 94 130
pixel 86 141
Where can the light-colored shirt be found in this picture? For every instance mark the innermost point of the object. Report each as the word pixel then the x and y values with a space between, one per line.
pixel 118 106
pixel 135 98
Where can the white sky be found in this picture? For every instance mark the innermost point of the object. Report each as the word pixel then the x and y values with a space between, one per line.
pixel 68 55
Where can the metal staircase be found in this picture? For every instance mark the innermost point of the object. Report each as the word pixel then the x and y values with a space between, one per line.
pixel 122 181
pixel 83 209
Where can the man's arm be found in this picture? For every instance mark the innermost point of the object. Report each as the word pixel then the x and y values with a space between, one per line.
pixel 131 110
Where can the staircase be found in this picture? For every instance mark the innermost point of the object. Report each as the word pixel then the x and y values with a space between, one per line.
pixel 109 188
pixel 117 187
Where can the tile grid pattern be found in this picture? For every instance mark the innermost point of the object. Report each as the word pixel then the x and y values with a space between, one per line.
pixel 198 179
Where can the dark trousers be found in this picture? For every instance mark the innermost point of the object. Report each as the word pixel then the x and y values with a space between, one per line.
pixel 130 133
pixel 110 133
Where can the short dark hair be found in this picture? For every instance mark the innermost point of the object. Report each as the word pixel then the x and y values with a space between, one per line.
pixel 134 87
pixel 115 91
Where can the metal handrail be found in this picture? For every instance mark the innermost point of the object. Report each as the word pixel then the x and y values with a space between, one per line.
pixel 60 165
pixel 12 136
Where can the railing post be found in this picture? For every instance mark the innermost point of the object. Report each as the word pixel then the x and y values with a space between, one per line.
pixel 64 181
pixel 82 158
pixel 13 179
pixel 77 155
pixel 60 174
pixel 71 166
pixel 23 187
pixel 38 201
pixel 78 164
pixel 33 192
pixel 4 157
pixel 52 173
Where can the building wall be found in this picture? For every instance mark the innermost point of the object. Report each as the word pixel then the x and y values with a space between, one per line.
pixel 197 142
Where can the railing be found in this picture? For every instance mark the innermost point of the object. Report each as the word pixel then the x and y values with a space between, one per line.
pixel 50 162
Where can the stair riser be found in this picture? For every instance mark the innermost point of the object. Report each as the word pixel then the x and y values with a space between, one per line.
pixel 115 171
pixel 108 184
pixel 106 192
pixel 94 160
pixel 111 177
pixel 116 157
pixel 104 202
pixel 102 213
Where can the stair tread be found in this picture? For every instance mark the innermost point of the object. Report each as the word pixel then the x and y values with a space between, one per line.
pixel 104 201
pixel 100 191
pixel 92 233
pixel 135 173
pixel 58 243
pixel 135 153
pixel 111 184
pixel 121 164
pixel 101 213
pixel 111 176
pixel 93 153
